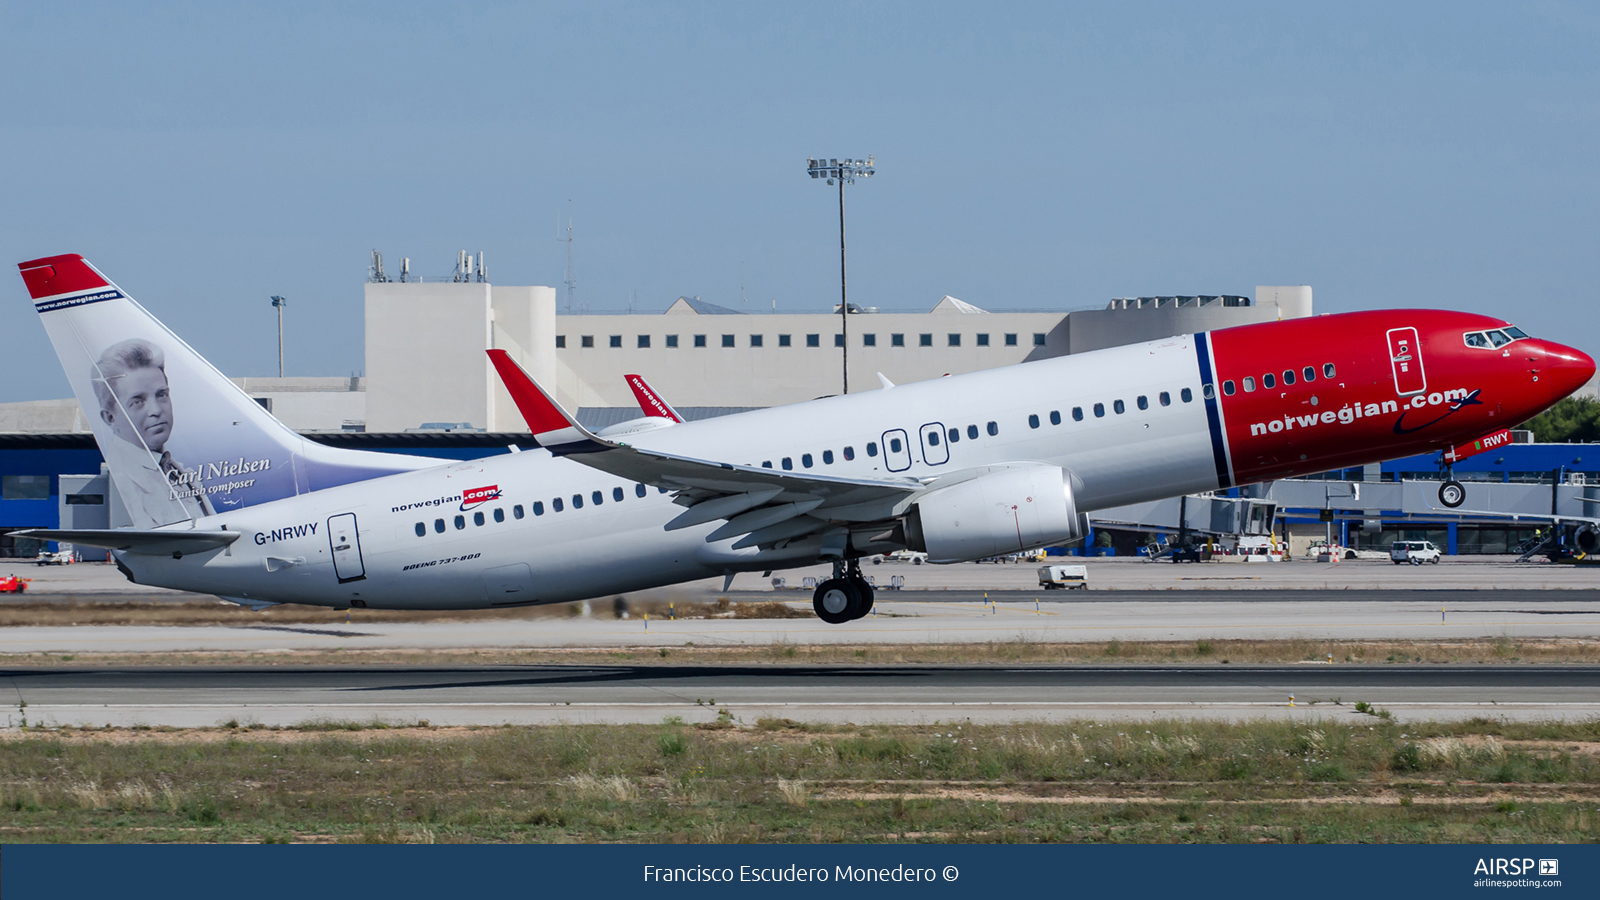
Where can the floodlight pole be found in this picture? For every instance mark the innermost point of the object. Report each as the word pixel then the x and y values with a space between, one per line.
pixel 280 303
pixel 832 170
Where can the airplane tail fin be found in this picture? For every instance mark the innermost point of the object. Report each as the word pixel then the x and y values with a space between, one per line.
pixel 553 427
pixel 651 402
pixel 182 441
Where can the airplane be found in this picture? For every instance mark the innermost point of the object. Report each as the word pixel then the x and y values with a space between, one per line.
pixel 228 501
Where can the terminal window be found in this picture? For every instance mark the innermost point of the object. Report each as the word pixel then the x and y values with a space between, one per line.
pixel 1038 339
pixel 838 340
pixel 616 340
pixel 983 340
pixel 755 340
pixel 925 340
pixel 644 342
pixel 727 340
pixel 955 340
pixel 813 340
pixel 1011 340
pixel 25 487
pixel 869 340
pixel 897 340
pixel 699 340
pixel 587 340
pixel 672 341
pixel 561 342
pixel 783 340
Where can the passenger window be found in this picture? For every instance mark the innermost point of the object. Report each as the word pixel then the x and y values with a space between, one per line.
pixel 556 505
pixel 1249 384
pixel 972 432
pixel 849 453
pixel 954 435
pixel 1288 377
pixel 993 429
pixel 461 522
pixel 640 490
pixel 1077 414
pixel 788 463
pixel 933 439
pixel 1227 387
pixel 499 514
pixel 1327 370
pixel 766 464
pixel 1099 410
pixel 438 525
pixel 894 445
pixel 872 448
pixel 477 518
pixel 1186 395
pixel 616 494
pixel 421 529
pixel 1117 407
pixel 1055 417
pixel 805 460
pixel 1033 421
pixel 1144 402
pixel 597 498
pixel 827 457
pixel 1309 373
pixel 1165 398
pixel 577 501
pixel 1499 338
pixel 1268 381
pixel 1207 391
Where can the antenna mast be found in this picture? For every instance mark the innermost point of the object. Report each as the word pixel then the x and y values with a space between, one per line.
pixel 571 282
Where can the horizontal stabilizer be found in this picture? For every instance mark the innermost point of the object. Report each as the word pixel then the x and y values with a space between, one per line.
pixel 137 540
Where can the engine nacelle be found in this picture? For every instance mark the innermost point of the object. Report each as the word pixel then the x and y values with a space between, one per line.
pixel 1008 510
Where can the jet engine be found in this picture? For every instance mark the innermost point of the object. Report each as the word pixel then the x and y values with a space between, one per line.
pixel 1005 510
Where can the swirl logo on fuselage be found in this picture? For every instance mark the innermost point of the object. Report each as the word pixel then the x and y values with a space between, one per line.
pixel 1453 399
pixel 474 496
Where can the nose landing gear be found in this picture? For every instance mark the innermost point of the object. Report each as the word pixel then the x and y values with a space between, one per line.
pixel 844 597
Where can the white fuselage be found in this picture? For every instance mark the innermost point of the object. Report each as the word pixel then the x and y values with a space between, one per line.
pixel 286 555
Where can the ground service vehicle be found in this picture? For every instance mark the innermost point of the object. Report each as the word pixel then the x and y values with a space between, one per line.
pixel 1414 552
pixel 1053 578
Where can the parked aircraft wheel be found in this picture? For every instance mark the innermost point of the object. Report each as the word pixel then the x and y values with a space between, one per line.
pixel 864 592
pixel 835 600
pixel 1452 493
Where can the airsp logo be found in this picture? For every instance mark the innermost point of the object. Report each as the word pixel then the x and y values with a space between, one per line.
pixel 1549 867
pixel 1501 866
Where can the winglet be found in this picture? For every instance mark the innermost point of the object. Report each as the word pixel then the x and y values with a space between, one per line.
pixel 551 426
pixel 651 402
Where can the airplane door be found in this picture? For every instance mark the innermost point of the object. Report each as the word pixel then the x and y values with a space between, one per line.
pixel 346 544
pixel 1405 358
pixel 896 451
pixel 935 451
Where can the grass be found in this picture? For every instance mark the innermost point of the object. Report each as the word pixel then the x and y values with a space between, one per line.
pixel 785 781
pixel 1497 651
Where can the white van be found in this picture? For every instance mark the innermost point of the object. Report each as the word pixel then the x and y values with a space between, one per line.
pixel 1054 578
pixel 1414 552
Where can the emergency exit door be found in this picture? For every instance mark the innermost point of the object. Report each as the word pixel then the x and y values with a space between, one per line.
pixel 346 545
pixel 1405 358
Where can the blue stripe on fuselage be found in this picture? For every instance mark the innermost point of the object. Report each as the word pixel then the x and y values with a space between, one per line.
pixel 1219 452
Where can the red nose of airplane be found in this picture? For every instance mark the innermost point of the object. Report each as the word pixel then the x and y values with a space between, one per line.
pixel 1566 369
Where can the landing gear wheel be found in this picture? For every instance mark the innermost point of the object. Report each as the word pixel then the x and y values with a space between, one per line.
pixel 864 591
pixel 1452 493
pixel 835 600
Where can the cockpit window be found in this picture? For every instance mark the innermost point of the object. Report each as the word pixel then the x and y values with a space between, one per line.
pixel 1515 332
pixel 1499 338
pixel 1477 339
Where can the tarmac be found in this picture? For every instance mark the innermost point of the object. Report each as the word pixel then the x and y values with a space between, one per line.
pixel 204 696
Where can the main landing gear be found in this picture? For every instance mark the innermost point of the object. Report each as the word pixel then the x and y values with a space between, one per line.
pixel 845 596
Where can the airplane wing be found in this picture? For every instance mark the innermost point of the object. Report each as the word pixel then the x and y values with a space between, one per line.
pixel 138 540
pixel 765 505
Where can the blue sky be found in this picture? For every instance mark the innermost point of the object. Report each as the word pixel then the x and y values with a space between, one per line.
pixel 207 156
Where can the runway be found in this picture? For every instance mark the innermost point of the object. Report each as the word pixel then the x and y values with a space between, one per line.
pixel 205 696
